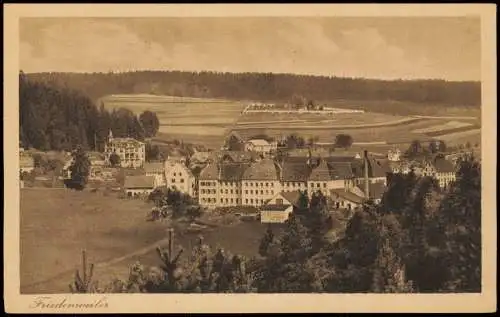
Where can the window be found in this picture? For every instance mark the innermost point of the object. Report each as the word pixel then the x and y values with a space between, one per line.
pixel 182 180
pixel 251 200
pixel 262 192
pixel 246 201
pixel 180 174
pixel 221 191
pixel 227 200
pixel 246 191
pixel 221 200
pixel 267 184
pixel 175 174
pixel 279 201
pixel 231 200
pixel 226 191
pixel 318 184
pixel 324 185
pixel 267 191
pixel 173 180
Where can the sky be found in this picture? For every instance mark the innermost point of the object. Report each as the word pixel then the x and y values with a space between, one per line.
pixel 377 47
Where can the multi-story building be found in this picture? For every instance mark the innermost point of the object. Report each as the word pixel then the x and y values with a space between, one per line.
pixel 230 184
pixel 208 186
pixel 260 182
pixel 132 152
pixel 254 183
pixel 178 176
pixel 157 170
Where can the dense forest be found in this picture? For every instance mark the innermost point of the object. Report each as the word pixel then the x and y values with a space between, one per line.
pixel 419 239
pixel 60 118
pixel 265 86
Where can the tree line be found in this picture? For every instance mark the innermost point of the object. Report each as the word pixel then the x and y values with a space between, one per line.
pixel 418 239
pixel 266 86
pixel 60 118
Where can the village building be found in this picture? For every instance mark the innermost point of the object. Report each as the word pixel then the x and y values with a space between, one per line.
pixel 444 171
pixel 138 185
pixel 394 155
pixel 261 146
pixel 319 178
pixel 178 176
pixel 294 173
pixel 230 184
pixel 26 163
pixel 208 186
pixel 345 199
pixel 132 152
pixel 260 182
pixel 279 207
pixel 156 170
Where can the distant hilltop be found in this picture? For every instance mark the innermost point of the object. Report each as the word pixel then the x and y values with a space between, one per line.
pixel 266 87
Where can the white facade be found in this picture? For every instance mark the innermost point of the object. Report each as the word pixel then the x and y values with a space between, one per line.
pixel 178 176
pixel 261 146
pixel 258 192
pixel 132 152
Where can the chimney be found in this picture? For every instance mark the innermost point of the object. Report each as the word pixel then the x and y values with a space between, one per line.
pixel 367 182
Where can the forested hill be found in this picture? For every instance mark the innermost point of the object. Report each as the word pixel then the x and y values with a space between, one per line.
pixel 56 118
pixel 265 86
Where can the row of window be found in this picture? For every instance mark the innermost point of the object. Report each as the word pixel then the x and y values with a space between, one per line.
pixel 208 183
pixel 208 191
pixel 250 201
pixel 180 174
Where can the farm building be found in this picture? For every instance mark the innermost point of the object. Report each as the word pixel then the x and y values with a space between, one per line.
pixel 156 170
pixel 138 185
pixel 344 199
pixel 26 163
pixel 278 208
pixel 261 146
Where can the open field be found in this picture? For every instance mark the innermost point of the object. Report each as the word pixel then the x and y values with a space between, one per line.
pixel 186 119
pixel 113 231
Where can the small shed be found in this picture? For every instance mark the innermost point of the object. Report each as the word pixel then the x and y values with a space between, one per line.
pixel 139 185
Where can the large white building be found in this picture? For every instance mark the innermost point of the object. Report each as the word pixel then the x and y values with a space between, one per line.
pixel 254 183
pixel 132 152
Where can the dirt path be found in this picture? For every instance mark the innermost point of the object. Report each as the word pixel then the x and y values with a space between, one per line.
pixel 101 264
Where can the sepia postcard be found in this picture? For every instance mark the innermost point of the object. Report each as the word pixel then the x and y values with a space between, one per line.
pixel 249 158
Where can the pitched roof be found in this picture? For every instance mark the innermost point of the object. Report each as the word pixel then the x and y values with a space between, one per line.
pixel 340 170
pixel 292 196
pixel 295 170
pixel 376 168
pixel 139 181
pixel 201 157
pixel 321 172
pixel 442 165
pixel 239 156
pixel 347 195
pixel 377 190
pixel 151 167
pixel 126 141
pixel 210 172
pixel 232 171
pixel 271 207
pixel 262 170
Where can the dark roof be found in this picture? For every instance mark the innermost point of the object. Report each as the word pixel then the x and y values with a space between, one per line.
pixel 442 165
pixel 377 190
pixel 321 172
pixel 139 181
pixel 292 196
pixel 239 156
pixel 347 195
pixel 210 172
pixel 275 207
pixel 376 168
pixel 263 170
pixel 232 172
pixel 340 170
pixel 295 170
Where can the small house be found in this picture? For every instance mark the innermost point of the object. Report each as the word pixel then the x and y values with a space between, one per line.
pixel 139 185
pixel 156 170
pixel 343 199
pixel 279 208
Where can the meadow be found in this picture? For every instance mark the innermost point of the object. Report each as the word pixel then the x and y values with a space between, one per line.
pixel 207 121
pixel 113 231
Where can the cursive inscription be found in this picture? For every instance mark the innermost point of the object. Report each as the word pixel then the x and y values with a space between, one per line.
pixel 64 303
